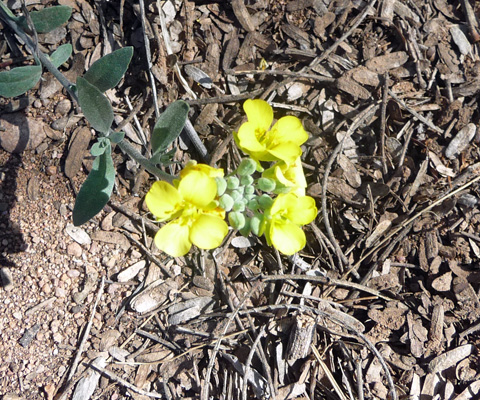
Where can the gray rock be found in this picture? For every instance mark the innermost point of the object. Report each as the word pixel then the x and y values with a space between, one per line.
pixel 21 133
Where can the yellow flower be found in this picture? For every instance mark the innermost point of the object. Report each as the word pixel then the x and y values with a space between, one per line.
pixel 281 143
pixel 194 214
pixel 192 165
pixel 282 222
pixel 289 177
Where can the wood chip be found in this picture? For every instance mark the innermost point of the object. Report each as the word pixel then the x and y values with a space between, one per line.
pixel 242 14
pixel 461 141
pixel 450 358
pixel 77 151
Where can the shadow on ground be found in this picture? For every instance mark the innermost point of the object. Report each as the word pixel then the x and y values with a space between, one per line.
pixel 11 239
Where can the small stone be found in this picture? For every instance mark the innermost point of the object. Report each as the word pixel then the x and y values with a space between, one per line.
pixel 20 133
pixel 59 124
pixel 130 272
pixel 17 315
pixel 63 107
pixel 73 273
pixel 60 292
pixel 57 337
pixel 74 249
pixel 46 289
pixel 29 335
pixel 78 234
pixel 51 170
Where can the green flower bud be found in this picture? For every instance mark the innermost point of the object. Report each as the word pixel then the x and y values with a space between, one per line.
pixel 265 201
pixel 266 184
pixel 226 202
pixel 221 185
pixel 239 206
pixel 255 222
pixel 232 182
pixel 246 180
pixel 249 189
pixel 240 189
pixel 246 167
pixel 236 219
pixel 236 195
pixel 252 204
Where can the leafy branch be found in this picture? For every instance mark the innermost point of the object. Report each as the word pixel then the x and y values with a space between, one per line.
pixel 88 90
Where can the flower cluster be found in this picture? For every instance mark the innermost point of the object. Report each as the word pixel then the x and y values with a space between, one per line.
pixel 272 204
pixel 190 205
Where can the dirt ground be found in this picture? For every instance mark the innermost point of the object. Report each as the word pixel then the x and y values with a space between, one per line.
pixel 383 302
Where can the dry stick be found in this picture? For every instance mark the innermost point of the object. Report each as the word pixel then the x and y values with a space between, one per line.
pixel 344 324
pixel 248 363
pixel 325 281
pixel 146 42
pixel 320 78
pixel 410 220
pixel 326 222
pixel 333 47
pixel 328 373
pixel 325 54
pixel 204 395
pixel 472 21
pixel 383 112
pixel 234 98
pixel 192 134
pixel 420 117
pixel 123 382
pixel 87 331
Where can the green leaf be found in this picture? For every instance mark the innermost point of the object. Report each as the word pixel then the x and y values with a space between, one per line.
pixel 95 106
pixel 99 147
pixel 61 55
pixel 106 72
pixel 169 125
pixel 18 80
pixel 97 188
pixel 48 19
pixel 116 137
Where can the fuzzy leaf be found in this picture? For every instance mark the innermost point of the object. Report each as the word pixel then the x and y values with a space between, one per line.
pixel 18 80
pixel 95 106
pixel 61 55
pixel 106 72
pixel 97 188
pixel 48 19
pixel 168 126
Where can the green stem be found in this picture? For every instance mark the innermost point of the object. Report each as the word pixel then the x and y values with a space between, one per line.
pixel 126 147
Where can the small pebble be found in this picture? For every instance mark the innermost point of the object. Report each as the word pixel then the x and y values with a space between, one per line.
pixel 51 170
pixel 60 292
pixel 63 107
pixel 73 273
pixel 46 289
pixel 6 279
pixel 74 249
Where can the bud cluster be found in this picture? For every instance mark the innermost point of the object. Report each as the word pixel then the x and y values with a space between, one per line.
pixel 245 198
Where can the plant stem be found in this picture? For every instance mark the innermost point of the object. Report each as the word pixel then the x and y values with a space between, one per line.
pixel 126 147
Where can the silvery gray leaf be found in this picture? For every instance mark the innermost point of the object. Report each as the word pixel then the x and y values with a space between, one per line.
pixel 461 141
pixel 187 310
pixel 198 76
pixel 460 40
pixel 78 234
pixel 131 271
pixel 241 242
pixel 86 386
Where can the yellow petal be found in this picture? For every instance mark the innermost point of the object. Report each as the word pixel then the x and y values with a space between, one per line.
pixel 206 169
pixel 163 200
pixel 259 113
pixel 208 231
pixel 289 129
pixel 287 238
pixel 287 151
pixel 173 239
pixel 247 139
pixel 198 188
pixel 303 211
